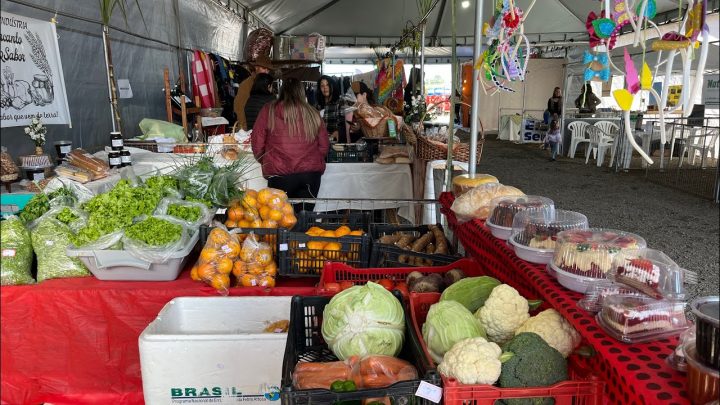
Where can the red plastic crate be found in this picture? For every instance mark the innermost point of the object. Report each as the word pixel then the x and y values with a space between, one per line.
pixel 335 272
pixel 582 388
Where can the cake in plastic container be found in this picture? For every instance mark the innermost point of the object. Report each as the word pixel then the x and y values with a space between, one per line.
pixel 651 272
pixel 504 209
pixel 633 319
pixel 590 252
pixel 599 290
pixel 534 232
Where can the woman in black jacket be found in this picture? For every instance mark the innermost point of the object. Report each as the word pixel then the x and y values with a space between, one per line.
pixel 260 95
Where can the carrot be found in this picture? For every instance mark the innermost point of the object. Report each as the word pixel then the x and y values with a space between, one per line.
pixel 320 375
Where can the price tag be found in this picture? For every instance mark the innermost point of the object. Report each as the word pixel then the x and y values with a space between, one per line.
pixel 221 211
pixel 8 253
pixel 429 391
pixel 302 245
pixel 283 247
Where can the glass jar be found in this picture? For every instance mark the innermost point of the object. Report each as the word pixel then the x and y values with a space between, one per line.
pixel 114 160
pixel 125 158
pixel 116 141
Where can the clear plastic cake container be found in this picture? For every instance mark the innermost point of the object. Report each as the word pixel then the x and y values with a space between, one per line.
pixel 572 281
pixel 534 233
pixel 596 293
pixel 633 319
pixel 590 252
pixel 503 211
pixel 649 271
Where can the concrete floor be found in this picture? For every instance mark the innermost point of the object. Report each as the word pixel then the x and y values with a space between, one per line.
pixel 685 227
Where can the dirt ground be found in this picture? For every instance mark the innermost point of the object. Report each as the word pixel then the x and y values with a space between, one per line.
pixel 685 227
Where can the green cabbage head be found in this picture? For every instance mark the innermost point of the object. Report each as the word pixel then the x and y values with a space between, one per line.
pixel 447 323
pixel 362 321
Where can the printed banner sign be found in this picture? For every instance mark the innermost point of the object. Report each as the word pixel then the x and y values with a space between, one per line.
pixel 711 90
pixel 32 77
pixel 531 133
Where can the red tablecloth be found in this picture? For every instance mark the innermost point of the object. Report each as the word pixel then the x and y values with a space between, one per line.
pixel 75 341
pixel 634 373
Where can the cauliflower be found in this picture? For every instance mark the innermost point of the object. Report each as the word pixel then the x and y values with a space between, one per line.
pixel 554 330
pixel 504 311
pixel 473 361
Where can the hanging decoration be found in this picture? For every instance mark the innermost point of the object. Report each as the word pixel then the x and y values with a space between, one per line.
pixel 390 82
pixel 504 61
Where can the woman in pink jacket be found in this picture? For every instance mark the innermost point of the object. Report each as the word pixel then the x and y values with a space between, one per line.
pixel 290 141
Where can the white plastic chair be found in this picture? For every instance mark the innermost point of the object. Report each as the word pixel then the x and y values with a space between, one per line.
pixel 697 143
pixel 577 131
pixel 599 144
pixel 609 129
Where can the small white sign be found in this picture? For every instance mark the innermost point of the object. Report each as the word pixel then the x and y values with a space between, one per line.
pixel 711 90
pixel 283 247
pixel 221 211
pixel 429 391
pixel 8 253
pixel 124 89
pixel 301 245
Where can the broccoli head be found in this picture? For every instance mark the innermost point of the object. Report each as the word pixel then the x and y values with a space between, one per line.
pixel 534 364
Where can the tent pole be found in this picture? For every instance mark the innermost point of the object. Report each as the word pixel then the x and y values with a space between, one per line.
pixel 422 60
pixel 475 104
pixel 451 124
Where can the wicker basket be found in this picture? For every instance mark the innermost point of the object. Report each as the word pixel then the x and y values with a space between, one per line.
pixel 428 151
pixel 378 131
pixel 409 135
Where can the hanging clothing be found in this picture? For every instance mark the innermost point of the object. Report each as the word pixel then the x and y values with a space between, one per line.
pixel 203 82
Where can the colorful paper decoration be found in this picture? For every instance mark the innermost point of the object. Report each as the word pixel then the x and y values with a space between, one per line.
pixel 604 27
pixel 631 74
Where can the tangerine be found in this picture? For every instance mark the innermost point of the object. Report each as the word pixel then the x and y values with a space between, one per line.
pixel 218 237
pixel 314 231
pixel 243 223
pixel 288 222
pixel 206 271
pixel 314 248
pixel 251 193
pixel 275 215
pixel 263 256
pixel 249 201
pixel 343 230
pixel 288 210
pixel 357 233
pixel 264 212
pixel 194 273
pixel 269 223
pixel 251 216
pixel 232 249
pixel 234 213
pixel 267 281
pixel 328 234
pixel 208 255
pixel 264 196
pixel 220 281
pixel 239 268
pixel 224 266
pixel 256 223
pixel 248 280
pixel 271 269
pixel 230 224
pixel 255 269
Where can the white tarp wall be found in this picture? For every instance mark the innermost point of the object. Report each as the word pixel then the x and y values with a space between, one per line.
pixel 543 75
pixel 203 25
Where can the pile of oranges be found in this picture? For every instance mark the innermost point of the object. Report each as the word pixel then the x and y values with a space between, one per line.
pixel 310 257
pixel 217 260
pixel 251 262
pixel 255 266
pixel 267 208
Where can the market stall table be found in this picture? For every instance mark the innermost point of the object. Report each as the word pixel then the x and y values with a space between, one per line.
pixel 74 341
pixel 634 373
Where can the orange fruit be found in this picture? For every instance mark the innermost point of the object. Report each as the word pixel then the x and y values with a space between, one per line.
pixel 357 233
pixel 343 230
pixel 239 268
pixel 232 249
pixel 230 224
pixel 314 231
pixel 314 248
pixel 255 269
pixel 275 215
pixel 332 250
pixel 263 256
pixel 264 212
pixel 220 281
pixel 248 280
pixel 269 223
pixel 288 210
pixel 264 196
pixel 206 271
pixel 271 269
pixel 243 223
pixel 257 223
pixel 224 265
pixel 288 222
pixel 194 273
pixel 328 234
pixel 218 237
pixel 251 193
pixel 234 213
pixel 250 201
pixel 268 282
pixel 251 216
pixel 208 255
pixel 246 254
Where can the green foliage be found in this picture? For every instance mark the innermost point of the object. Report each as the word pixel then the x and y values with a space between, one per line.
pixel 154 232
pixel 187 213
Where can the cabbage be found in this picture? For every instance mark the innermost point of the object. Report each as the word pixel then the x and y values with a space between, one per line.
pixel 362 321
pixel 472 292
pixel 447 323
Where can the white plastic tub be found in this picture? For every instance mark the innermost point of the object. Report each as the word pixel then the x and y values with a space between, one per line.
pixel 571 281
pixel 500 232
pixel 213 349
pixel 120 265
pixel 529 254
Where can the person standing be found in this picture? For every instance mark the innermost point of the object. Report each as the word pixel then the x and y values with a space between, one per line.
pixel 554 106
pixel 553 139
pixel 262 64
pixel 260 95
pixel 328 103
pixel 587 101
pixel 290 141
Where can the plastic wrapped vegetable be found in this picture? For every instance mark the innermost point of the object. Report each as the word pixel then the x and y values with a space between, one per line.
pixel 194 180
pixel 16 248
pixel 353 373
pixel 50 240
pixel 217 259
pixel 223 187
pixel 155 239
pixel 255 266
pixel 41 203
pixel 193 214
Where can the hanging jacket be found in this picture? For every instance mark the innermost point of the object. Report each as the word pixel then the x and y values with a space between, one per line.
pixel 253 106
pixel 282 154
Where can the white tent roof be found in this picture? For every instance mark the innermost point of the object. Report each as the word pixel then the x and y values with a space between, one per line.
pixel 343 19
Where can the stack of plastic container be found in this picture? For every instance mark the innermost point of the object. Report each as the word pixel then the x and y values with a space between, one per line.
pixel 534 233
pixel 504 209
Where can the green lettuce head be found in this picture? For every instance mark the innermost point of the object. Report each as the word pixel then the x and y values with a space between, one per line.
pixel 447 323
pixel 364 320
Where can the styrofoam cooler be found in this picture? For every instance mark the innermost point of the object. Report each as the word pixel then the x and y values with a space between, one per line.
pixel 213 349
